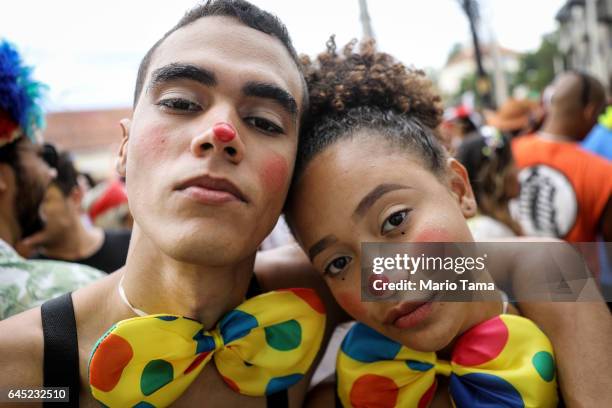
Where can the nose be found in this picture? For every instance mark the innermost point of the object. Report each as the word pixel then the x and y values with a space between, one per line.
pixel 222 139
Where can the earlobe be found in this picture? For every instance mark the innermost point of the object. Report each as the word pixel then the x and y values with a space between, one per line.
pixel 461 189
pixel 122 157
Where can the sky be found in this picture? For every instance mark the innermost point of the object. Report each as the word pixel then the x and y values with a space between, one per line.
pixel 88 51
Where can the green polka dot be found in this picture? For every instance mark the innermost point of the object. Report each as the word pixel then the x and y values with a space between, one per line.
pixel 155 375
pixel 545 365
pixel 284 336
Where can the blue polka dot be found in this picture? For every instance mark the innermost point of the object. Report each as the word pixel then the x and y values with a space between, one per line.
pixel 204 342
pixel 418 365
pixel 236 324
pixel 367 346
pixel 167 319
pixel 282 383
pixel 143 404
pixel 479 390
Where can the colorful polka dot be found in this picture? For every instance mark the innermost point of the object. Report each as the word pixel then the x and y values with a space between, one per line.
pixel 284 336
pixel 106 366
pixel 155 375
pixel 309 296
pixel 418 365
pixel 373 391
pixel 544 364
pixel 281 383
pixel 482 343
pixel 204 342
pixel 480 390
pixel 367 346
pixel 143 404
pixel 428 396
pixel 237 324
pixel 167 318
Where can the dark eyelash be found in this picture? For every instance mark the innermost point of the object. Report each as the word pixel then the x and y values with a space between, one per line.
pixel 264 125
pixel 175 104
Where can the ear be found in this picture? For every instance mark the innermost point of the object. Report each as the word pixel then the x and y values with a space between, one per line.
pixel 121 162
pixel 76 196
pixel 459 183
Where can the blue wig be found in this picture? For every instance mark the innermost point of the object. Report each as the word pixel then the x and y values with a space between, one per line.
pixel 20 95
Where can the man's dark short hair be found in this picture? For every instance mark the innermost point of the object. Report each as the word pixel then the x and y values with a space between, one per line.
pixel 67 176
pixel 245 12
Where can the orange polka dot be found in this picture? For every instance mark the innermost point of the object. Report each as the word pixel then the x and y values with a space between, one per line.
pixel 374 391
pixel 108 362
pixel 309 296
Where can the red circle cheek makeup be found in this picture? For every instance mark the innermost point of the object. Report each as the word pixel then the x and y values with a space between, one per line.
pixel 274 173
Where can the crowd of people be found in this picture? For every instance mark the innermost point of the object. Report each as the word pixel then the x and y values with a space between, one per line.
pixel 233 232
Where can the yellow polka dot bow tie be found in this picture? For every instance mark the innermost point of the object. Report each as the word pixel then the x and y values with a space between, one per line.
pixel 503 362
pixel 263 346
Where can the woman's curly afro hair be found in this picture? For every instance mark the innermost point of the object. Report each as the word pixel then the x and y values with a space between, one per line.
pixel 367 90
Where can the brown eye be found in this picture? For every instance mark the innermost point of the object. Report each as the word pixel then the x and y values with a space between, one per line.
pixel 337 265
pixel 394 220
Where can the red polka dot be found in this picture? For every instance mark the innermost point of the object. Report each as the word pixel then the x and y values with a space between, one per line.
pixel 196 362
pixel 428 396
pixel 309 296
pixel 374 391
pixel 481 343
pixel 230 383
pixel 108 362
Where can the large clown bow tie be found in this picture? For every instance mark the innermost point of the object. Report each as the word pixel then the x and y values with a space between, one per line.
pixel 263 346
pixel 503 362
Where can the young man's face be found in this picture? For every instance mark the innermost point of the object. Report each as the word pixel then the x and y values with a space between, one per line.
pixel 30 185
pixel 179 170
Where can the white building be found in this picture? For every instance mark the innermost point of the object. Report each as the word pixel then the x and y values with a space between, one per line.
pixel 463 64
pixel 585 37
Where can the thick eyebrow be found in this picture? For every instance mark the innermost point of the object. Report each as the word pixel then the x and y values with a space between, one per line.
pixel 369 199
pixel 273 92
pixel 176 71
pixel 321 245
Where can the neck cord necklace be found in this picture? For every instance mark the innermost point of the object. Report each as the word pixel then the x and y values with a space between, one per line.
pixel 126 301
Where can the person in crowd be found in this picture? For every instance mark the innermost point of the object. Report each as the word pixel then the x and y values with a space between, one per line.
pixel 487 157
pixel 65 236
pixel 24 177
pixel 207 157
pixel 566 191
pixel 107 206
pixel 369 109
pixel 458 123
pixel 599 140
pixel 516 117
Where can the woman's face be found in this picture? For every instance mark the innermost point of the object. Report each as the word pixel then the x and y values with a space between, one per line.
pixel 360 190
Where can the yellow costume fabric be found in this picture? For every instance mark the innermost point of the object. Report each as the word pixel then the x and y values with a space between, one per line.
pixel 505 361
pixel 264 345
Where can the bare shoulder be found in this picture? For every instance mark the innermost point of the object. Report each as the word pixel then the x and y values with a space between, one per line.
pixel 21 349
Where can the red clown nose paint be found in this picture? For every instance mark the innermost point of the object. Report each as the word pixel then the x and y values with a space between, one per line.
pixel 224 132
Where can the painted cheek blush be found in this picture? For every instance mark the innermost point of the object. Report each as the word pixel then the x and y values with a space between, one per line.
pixel 274 173
pixel 351 303
pixel 433 235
